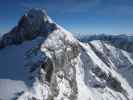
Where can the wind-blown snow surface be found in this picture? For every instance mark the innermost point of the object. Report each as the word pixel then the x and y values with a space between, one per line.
pixel 13 77
pixel 59 67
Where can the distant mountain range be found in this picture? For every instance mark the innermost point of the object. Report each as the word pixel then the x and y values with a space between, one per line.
pixel 120 41
pixel 40 60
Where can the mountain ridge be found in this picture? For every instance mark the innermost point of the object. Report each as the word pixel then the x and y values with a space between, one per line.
pixel 124 42
pixel 59 67
pixel 32 24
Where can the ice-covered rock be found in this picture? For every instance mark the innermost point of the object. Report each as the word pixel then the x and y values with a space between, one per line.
pixel 59 67
pixel 32 24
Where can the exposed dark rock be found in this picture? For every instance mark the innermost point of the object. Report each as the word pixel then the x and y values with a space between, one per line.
pixel 48 67
pixel 114 84
pixel 111 81
pixel 30 26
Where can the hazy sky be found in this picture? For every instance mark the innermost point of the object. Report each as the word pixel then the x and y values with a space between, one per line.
pixel 78 16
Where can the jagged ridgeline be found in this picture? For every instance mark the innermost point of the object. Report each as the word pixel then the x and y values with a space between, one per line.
pixel 43 61
pixel 32 24
pixel 124 42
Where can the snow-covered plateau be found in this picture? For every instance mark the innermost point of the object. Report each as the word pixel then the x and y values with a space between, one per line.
pixel 39 60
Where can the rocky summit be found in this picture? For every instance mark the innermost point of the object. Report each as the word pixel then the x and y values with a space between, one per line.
pixel 42 61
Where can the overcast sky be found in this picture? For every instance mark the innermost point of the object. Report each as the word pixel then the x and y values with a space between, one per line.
pixel 78 16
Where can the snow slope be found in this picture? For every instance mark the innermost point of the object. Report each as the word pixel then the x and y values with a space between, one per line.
pixel 13 75
pixel 53 65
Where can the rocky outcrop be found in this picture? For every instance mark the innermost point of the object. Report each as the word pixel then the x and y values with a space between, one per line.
pixel 34 23
pixel 60 67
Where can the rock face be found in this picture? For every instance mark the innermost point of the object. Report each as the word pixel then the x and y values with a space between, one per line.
pixel 60 67
pixel 31 25
pixel 56 69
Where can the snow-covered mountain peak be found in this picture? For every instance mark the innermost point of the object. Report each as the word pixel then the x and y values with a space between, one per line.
pixel 43 61
pixel 37 15
pixel 31 25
